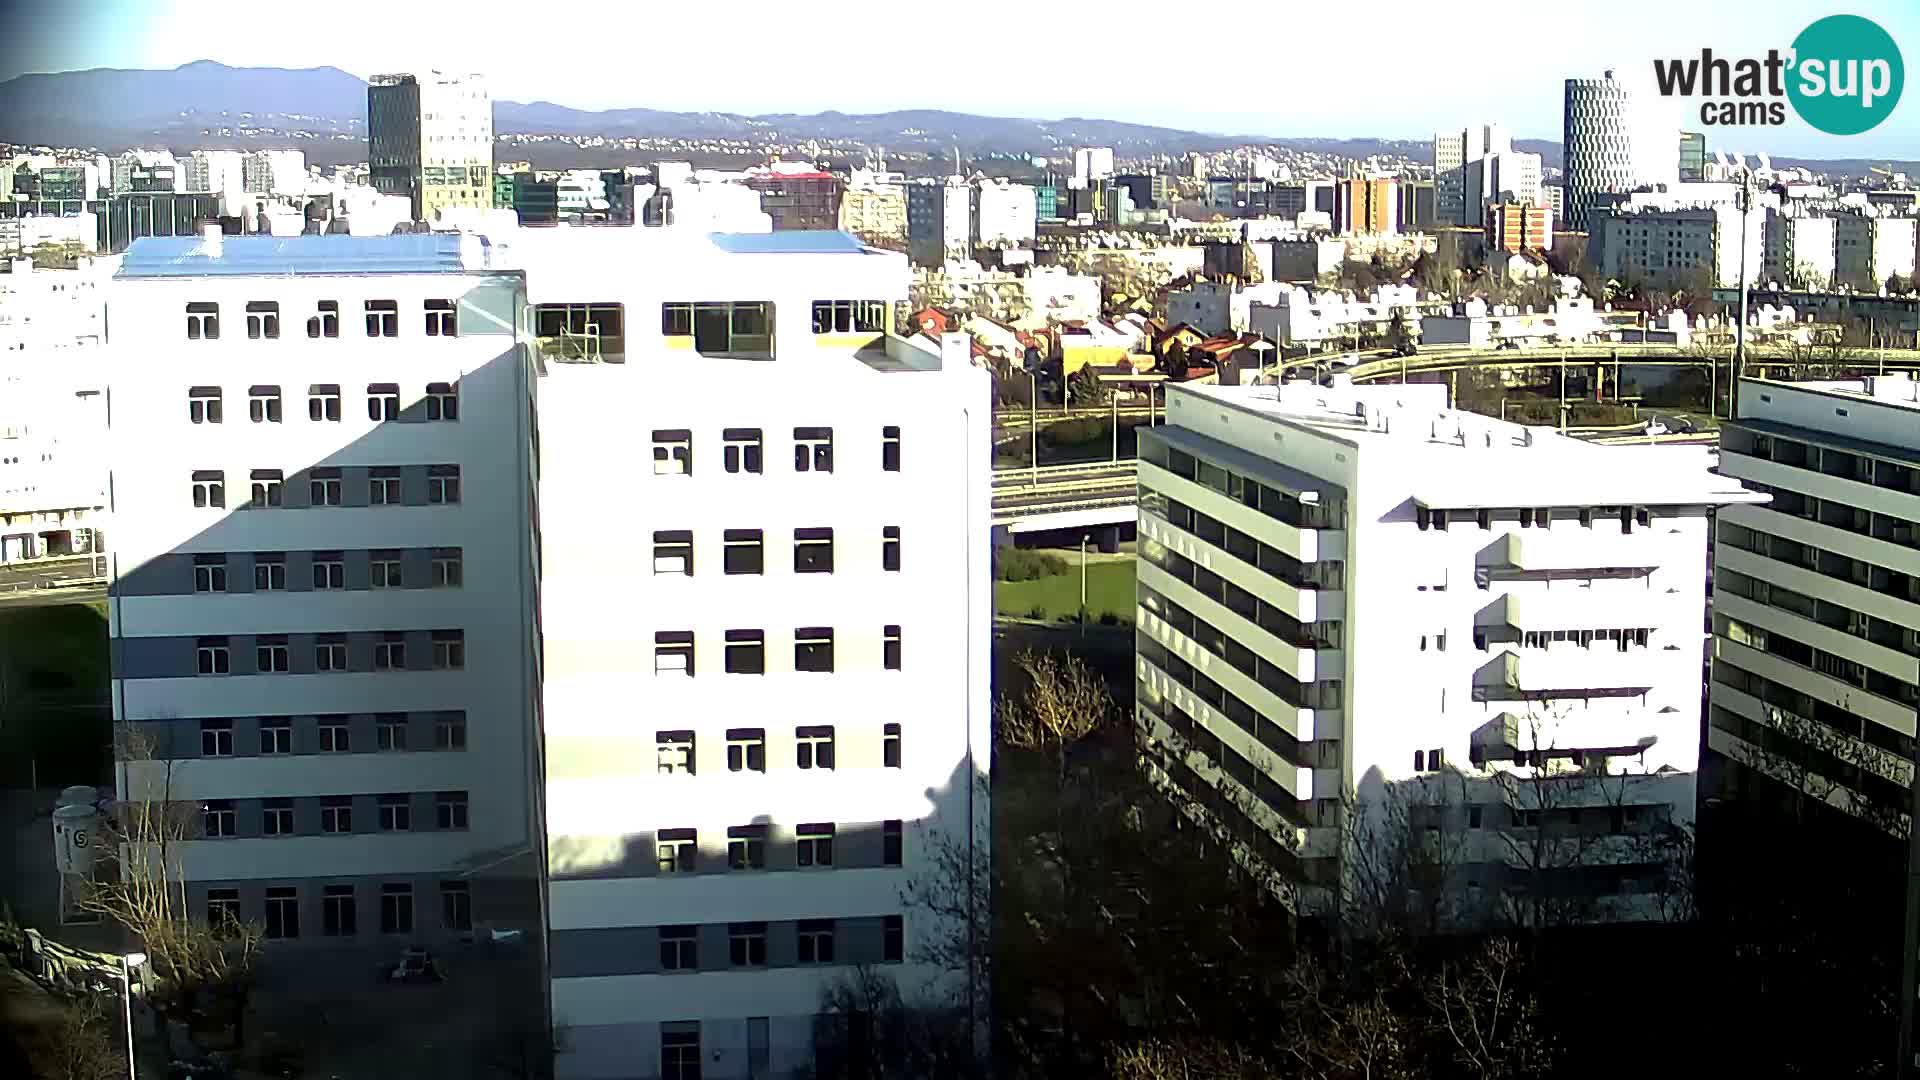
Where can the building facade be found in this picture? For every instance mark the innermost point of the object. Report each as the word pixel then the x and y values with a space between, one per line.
pixel 1693 157
pixel 1360 593
pixel 1869 249
pixel 1517 227
pixel 1366 207
pixel 430 138
pixel 1816 600
pixel 808 199
pixel 1003 214
pixel 939 222
pixel 1613 141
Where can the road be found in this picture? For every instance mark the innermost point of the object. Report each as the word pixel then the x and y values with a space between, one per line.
pixel 65 581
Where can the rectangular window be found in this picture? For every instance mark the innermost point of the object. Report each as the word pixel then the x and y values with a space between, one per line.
pixel 204 405
pixel 223 906
pixel 441 319
pixel 813 648
pixel 396 813
pixel 217 819
pixel 270 655
pixel 815 941
pixel 1484 517
pixel 450 810
pixel 890 746
pixel 209 573
pixel 383 318
pixel 329 570
pixel 747 847
pixel 672 452
pixel 889 449
pixel 746 652
pixel 325 322
pixel 390 731
pixel 276 817
pixel 813 551
pixel 832 316
pixel 390 653
pixel 269 489
pixel 744 552
pixel 893 939
pixel 813 449
pixel 383 485
pixel 443 484
pixel 890 547
pixel 263 404
pixel 679 948
pixel 396 908
pixel 450 731
pixel 673 652
pixel 814 844
pixel 337 915
pixel 209 489
pixel 203 322
pixel 330 653
pixel 746 750
pixel 383 402
pixel 276 735
pixel 893 843
pixel 323 402
pixel 216 737
pixel 680 1050
pixel 263 319
pixel 747 944
pixel 675 850
pixel 443 401
pixel 335 735
pixel 673 752
pixel 676 320
pixel 813 746
pixel 283 912
pixel 742 329
pixel 213 656
pixel 673 551
pixel 447 570
pixel 384 569
pixel 456 905
pixel 336 814
pixel 323 488
pixel 449 650
pixel 741 449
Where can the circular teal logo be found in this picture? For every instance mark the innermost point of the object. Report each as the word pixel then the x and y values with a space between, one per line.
pixel 1846 75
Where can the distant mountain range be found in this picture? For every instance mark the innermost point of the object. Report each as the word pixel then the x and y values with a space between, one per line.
pixel 323 110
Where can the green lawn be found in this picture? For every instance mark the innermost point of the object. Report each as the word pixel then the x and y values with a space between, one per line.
pixel 1109 589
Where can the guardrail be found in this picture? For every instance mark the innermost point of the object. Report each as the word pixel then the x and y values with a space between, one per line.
pixel 56 585
pixel 1025 473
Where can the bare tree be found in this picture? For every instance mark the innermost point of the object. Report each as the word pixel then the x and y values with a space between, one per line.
pixel 1185 1059
pixel 1488 1016
pixel 1062 703
pixel 79 1042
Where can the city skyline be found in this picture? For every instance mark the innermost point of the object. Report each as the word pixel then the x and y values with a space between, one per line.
pixel 1344 94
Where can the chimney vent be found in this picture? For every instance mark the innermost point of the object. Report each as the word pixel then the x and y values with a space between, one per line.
pixel 211 239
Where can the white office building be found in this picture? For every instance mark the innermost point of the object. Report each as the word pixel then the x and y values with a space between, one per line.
pixel 1800 248
pixel 1003 214
pixel 1360 590
pixel 1616 139
pixel 1816 598
pixel 765 611
pixel 281 173
pixel 219 172
pixel 1870 248
pixel 324 579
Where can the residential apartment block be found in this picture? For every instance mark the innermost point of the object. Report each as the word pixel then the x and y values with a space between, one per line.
pixel 1360 591
pixel 1816 599
pixel 323 584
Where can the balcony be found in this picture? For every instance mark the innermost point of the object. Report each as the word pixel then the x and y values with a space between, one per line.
pixel 1288 647
pixel 1294 588
pixel 1309 537
pixel 1568 546
pixel 1564 671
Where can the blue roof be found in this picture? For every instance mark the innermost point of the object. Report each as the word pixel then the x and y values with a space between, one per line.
pixel 802 242
pixel 277 256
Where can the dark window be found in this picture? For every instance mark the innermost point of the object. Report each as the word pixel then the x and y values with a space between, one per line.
pixel 744 551
pixel 269 488
pixel 893 939
pixel 456 905
pixel 323 401
pixel 383 401
pixel 338 917
pixel 892 843
pixel 747 944
pixel 814 844
pixel 204 405
pixel 450 809
pixel 203 322
pixel 443 401
pixel 815 944
pixel 813 449
pixel 209 573
pixel 890 746
pixel 813 551
pixel 746 750
pixel 263 319
pixel 890 647
pixel 890 449
pixel 326 320
pixel 746 652
pixel 383 318
pixel 742 448
pixel 813 648
pixel 396 908
pixel 747 847
pixel 813 747
pixel 679 948
pixel 283 912
pixel 209 489
pixel 890 547
pixel 676 320
pixel 440 318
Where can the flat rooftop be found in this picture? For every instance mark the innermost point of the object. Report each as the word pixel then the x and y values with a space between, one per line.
pixel 1896 390
pixel 1453 459
pixel 283 256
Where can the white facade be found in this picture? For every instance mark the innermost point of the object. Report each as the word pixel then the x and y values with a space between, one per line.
pixel 679 707
pixel 281 173
pixel 1800 248
pixel 1868 249
pixel 324 576
pixel 1675 247
pixel 1003 213
pixel 1615 140
pixel 220 172
pixel 1500 177
pixel 1816 614
pixel 1572 319
pixel 1092 163
pixel 1306 316
pixel 52 410
pixel 1216 309
pixel 1362 590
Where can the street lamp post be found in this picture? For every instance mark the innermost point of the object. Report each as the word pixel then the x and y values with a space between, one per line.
pixel 127 964
pixel 1083 585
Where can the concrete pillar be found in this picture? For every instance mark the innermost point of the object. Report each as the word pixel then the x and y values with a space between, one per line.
pixel 1002 536
pixel 1108 537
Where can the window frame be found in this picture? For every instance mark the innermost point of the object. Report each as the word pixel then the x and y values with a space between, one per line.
pixel 809 742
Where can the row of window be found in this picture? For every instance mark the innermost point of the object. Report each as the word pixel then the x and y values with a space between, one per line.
pixel 742 450
pixel 339 909
pixel 273 654
pixel 334 734
pixel 1536 517
pixel 325 487
pixel 677 851
pixel 219 819
pixel 207 404
pixel 746 650
pixel 1321 574
pixel 439 318
pixel 1312 510
pixel 675 751
pixel 744 551
pixel 747 944
pixel 445 570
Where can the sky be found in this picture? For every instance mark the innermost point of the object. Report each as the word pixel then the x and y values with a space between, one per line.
pixel 1280 69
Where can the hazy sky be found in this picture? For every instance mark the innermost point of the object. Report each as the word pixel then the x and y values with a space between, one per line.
pixel 1286 68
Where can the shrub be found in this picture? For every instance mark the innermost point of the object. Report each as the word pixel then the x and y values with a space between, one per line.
pixel 1036 612
pixel 1015 564
pixel 1076 432
pixel 1109 619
